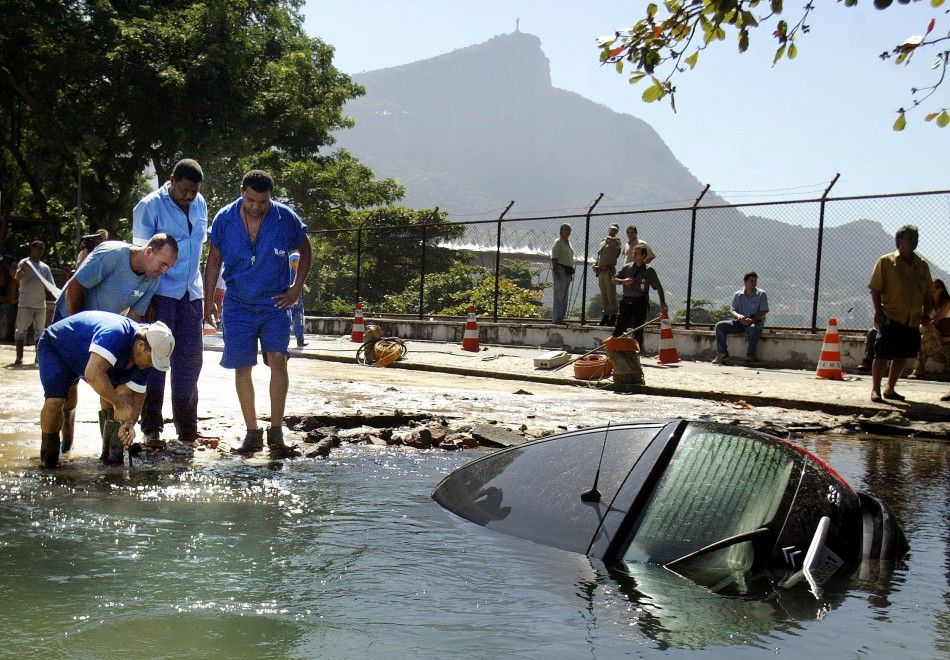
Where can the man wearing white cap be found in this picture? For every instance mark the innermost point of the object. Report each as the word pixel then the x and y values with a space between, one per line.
pixel 112 353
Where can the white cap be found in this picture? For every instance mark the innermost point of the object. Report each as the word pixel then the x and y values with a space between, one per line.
pixel 160 340
pixel 294 256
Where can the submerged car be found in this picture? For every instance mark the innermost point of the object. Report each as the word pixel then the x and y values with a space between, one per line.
pixel 716 503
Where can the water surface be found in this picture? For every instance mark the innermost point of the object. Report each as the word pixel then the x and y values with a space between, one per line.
pixel 351 558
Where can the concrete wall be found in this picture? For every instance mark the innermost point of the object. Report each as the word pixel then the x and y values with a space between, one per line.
pixel 785 348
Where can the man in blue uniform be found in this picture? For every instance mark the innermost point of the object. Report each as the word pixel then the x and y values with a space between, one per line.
pixel 114 277
pixel 112 353
pixel 254 236
pixel 178 210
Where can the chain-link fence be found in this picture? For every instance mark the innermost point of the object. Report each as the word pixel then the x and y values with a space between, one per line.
pixel 813 257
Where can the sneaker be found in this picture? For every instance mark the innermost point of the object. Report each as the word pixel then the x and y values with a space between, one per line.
pixel 720 359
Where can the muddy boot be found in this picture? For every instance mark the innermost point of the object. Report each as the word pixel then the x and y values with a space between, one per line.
pixel 49 450
pixel 253 441
pixel 275 439
pixel 19 352
pixel 104 415
pixel 69 426
pixel 112 448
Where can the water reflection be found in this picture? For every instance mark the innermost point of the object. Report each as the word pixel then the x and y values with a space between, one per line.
pixel 351 558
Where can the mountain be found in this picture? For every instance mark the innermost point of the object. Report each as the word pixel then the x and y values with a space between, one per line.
pixel 482 125
pixel 472 129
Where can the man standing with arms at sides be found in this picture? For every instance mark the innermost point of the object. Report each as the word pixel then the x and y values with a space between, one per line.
pixel 114 277
pixel 605 268
pixel 254 236
pixel 901 288
pixel 632 242
pixel 562 270
pixel 178 210
pixel 31 310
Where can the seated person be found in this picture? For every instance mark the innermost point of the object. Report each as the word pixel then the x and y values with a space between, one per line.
pixel 749 307
pixel 935 334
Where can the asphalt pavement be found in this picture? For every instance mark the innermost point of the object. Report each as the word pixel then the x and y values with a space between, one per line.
pixel 755 384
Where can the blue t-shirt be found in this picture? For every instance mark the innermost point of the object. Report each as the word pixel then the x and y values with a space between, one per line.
pixel 111 284
pixel 750 304
pixel 104 333
pixel 255 274
pixel 157 213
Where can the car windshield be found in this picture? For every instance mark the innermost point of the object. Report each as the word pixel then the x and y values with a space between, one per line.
pixel 717 485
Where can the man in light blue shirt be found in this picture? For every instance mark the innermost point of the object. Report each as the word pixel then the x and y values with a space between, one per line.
pixel 178 210
pixel 749 307
pixel 115 277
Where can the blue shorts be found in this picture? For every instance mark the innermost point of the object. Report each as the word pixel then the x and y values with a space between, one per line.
pixel 245 325
pixel 55 375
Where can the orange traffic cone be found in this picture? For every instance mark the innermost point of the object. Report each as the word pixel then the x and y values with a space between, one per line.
pixel 668 353
pixel 470 338
pixel 829 363
pixel 357 334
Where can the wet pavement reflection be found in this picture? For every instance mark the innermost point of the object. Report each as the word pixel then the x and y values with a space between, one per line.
pixel 349 557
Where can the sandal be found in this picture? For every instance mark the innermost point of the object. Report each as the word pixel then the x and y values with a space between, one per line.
pixel 893 396
pixel 876 397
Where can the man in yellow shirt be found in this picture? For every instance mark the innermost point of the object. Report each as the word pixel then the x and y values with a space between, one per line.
pixel 902 294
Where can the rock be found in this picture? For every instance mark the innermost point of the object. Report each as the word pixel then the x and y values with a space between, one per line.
pixel 438 434
pixel 376 440
pixel 496 436
pixel 462 440
pixel 323 447
pixel 520 391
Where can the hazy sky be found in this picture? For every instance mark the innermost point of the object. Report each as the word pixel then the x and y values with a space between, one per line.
pixel 750 130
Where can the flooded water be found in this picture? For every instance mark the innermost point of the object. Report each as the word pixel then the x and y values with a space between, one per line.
pixel 351 558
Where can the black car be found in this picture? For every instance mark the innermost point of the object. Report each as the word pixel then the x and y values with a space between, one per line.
pixel 716 503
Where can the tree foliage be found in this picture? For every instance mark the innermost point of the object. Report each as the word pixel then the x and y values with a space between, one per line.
pixel 702 313
pixel 451 292
pixel 669 41
pixel 106 88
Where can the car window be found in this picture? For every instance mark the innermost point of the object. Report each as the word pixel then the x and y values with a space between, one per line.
pixel 716 485
pixel 534 491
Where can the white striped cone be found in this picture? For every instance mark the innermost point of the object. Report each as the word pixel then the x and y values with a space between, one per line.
pixel 829 362
pixel 668 352
pixel 357 334
pixel 470 338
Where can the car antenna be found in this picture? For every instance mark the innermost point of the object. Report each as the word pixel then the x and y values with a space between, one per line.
pixel 593 495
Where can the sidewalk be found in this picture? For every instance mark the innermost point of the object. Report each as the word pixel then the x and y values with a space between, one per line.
pixel 756 385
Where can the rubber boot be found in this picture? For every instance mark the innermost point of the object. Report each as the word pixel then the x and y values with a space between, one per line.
pixel 275 439
pixel 112 448
pixel 69 427
pixel 253 441
pixel 19 352
pixel 49 450
pixel 104 416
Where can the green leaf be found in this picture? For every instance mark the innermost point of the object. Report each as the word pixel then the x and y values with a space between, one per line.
pixel 651 10
pixel 900 123
pixel 743 40
pixel 778 54
pixel 943 119
pixel 654 92
pixel 692 59
pixel 637 77
pixel 777 6
pixel 792 51
pixel 931 116
pixel 619 66
pixel 936 3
